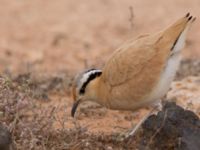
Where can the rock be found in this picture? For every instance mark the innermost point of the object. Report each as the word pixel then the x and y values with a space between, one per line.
pixel 5 138
pixel 172 128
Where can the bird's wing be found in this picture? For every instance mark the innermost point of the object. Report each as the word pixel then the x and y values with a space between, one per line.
pixel 130 60
pixel 127 61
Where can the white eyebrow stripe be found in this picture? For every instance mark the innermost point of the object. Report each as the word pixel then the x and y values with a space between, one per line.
pixel 86 77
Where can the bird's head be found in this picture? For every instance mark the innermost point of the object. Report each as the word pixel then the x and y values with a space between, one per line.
pixel 82 89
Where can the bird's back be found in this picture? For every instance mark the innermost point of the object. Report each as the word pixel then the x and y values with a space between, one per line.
pixel 135 69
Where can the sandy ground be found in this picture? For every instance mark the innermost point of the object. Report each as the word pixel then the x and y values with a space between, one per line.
pixel 55 36
pixel 48 38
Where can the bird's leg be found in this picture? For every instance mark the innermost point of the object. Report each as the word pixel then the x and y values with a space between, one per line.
pixel 157 106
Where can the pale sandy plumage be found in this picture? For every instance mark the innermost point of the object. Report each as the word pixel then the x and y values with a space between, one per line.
pixel 139 72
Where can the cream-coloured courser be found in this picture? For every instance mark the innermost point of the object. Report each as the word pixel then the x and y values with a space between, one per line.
pixel 138 73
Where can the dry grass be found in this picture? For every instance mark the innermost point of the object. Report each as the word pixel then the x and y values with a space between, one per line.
pixel 32 126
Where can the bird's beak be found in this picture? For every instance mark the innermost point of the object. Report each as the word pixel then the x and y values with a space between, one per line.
pixel 74 107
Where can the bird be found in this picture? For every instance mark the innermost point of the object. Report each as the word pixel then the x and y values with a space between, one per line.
pixel 138 74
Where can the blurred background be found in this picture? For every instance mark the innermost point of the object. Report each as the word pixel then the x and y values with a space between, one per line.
pixel 44 43
pixel 67 36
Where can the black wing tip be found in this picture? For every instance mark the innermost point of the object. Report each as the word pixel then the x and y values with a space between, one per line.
pixel 190 18
pixel 187 15
pixel 194 19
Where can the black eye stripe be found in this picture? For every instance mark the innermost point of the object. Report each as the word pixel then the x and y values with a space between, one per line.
pixel 91 77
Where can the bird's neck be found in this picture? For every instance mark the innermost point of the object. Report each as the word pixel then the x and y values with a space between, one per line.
pixel 97 91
